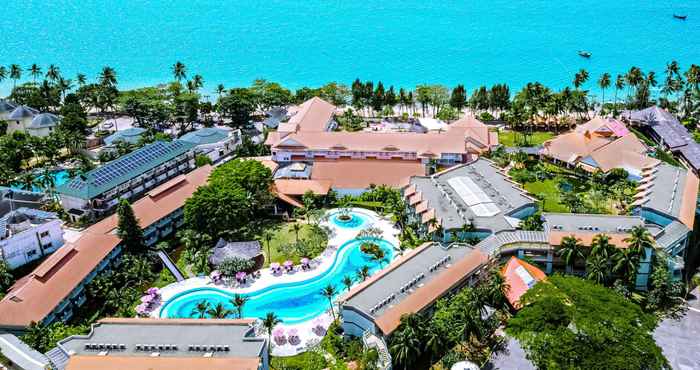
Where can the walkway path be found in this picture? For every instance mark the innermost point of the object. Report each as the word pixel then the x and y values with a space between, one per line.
pixel 171 266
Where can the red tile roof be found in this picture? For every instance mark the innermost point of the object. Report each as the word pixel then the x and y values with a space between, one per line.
pixel 513 272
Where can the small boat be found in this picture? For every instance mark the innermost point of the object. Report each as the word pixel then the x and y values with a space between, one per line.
pixel 682 17
pixel 585 54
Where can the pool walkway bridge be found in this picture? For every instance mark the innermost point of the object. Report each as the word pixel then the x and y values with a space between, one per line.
pixel 170 265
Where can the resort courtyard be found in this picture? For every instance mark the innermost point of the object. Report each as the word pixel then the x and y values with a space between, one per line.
pixel 292 292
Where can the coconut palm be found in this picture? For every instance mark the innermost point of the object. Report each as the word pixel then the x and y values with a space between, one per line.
pixel 179 71
pixel 53 73
pixel 634 77
pixel 108 76
pixel 639 241
pixel 28 181
pixel 362 273
pixel 600 246
pixel 596 268
pixel 269 322
pixel 626 263
pixel 406 345
pixel 580 78
pixel 15 74
pixel 220 89
pixel 619 85
pixel 197 82
pixel 347 281
pixel 267 236
pixel 328 292
pixel 201 309
pixel 81 79
pixel 692 75
pixel 34 71
pixel 570 249
pixel 3 73
pixel 238 301
pixel 64 85
pixel 604 83
pixel 219 311
pixel 296 228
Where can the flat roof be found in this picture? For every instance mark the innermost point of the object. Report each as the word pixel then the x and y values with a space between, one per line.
pixel 575 222
pixel 671 191
pixel 442 193
pixel 390 282
pixel 238 335
pixel 34 296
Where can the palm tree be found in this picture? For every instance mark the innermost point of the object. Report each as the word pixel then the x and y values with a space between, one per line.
pixel 580 78
pixel 692 75
pixel 3 73
pixel 238 301
pixel 15 74
pixel 179 71
pixel 220 89
pixel 219 311
pixel 108 76
pixel 267 235
pixel 619 85
pixel 639 241
pixel 81 79
pixel 296 228
pixel 328 292
pixel 201 309
pixel 362 273
pixel 64 85
pixel 53 73
pixel 604 83
pixel 571 249
pixel 626 263
pixel 28 181
pixel 596 267
pixel 347 281
pixel 197 82
pixel 269 322
pixel 406 343
pixel 600 246
pixel 633 77
pixel 34 71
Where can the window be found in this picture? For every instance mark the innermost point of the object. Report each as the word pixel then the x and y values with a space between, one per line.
pixel 31 253
pixel 44 234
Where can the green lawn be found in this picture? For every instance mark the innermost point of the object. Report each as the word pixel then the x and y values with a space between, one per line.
pixel 514 138
pixel 283 234
pixel 549 191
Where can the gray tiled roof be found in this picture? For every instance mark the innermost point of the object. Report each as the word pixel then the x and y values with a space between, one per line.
pixel 35 216
pixel 45 120
pixel 454 212
pixel 600 223
pixel 225 250
pixel 6 106
pixel 123 169
pixel 207 135
pixel 239 338
pixel 22 112
pixel 671 233
pixel 665 194
pixel 493 243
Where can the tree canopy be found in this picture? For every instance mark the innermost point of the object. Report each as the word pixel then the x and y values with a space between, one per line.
pixel 571 323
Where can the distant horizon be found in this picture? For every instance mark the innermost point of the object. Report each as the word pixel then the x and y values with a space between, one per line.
pixel 310 43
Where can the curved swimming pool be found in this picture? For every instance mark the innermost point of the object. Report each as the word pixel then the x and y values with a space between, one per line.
pixel 293 302
pixel 357 220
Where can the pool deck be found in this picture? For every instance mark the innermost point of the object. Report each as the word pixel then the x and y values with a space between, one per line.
pixel 338 236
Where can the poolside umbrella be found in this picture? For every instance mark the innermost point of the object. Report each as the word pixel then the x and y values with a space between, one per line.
pixel 240 275
pixel 147 299
pixel 304 261
pixel 278 332
pixel 288 263
pixel 153 291
pixel 142 309
pixel 215 275
pixel 274 265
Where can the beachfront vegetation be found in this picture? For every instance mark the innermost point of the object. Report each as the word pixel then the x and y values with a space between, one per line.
pixel 523 139
pixel 571 323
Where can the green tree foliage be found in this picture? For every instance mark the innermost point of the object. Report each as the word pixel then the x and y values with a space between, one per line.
pixel 236 197
pixel 202 160
pixel 43 338
pixel 570 323
pixel 238 105
pixel 231 266
pixel 6 278
pixel 128 228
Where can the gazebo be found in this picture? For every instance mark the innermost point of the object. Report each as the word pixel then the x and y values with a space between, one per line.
pixel 246 250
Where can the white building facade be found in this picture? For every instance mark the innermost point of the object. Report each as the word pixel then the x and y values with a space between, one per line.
pixel 28 235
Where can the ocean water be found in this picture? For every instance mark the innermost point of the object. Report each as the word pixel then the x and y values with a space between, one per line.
pixel 309 42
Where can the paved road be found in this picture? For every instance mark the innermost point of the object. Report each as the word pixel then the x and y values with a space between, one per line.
pixel 680 339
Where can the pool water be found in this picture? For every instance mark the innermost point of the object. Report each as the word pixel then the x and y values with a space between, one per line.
pixel 356 221
pixel 293 302
pixel 59 177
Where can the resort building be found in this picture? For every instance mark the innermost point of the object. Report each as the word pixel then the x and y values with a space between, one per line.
pixel 6 107
pixel 600 144
pixel 28 234
pixel 520 276
pixel 214 142
pixel 19 356
pixel 668 131
pixel 374 158
pixel 53 290
pixel 96 193
pixel 131 135
pixel 164 344
pixel 412 283
pixel 469 200
pixel 25 119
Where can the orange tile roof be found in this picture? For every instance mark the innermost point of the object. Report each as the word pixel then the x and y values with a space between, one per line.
pixel 301 186
pixel 422 207
pixel 427 216
pixel 312 115
pixel 573 146
pixel 586 237
pixel 517 286
pixel 53 280
pixel 266 161
pixel 690 196
pixel 626 152
pixel 93 362
pixel 360 174
pixel 431 291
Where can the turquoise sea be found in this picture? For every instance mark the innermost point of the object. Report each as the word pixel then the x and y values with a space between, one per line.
pixel 309 42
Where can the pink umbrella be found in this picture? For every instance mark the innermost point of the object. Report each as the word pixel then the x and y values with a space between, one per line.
pixel 240 275
pixel 293 332
pixel 304 261
pixel 147 299
pixel 288 263
pixel 278 332
pixel 274 265
pixel 215 274
pixel 153 291
pixel 142 309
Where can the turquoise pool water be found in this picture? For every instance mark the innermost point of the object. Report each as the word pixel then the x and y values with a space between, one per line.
pixel 293 302
pixel 310 42
pixel 59 178
pixel 357 220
